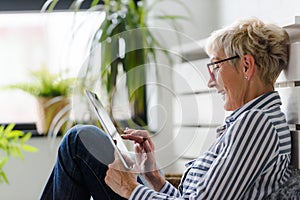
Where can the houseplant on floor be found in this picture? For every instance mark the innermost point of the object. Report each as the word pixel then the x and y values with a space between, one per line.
pixel 52 92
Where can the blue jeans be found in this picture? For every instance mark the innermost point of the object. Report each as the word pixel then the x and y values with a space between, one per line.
pixel 81 166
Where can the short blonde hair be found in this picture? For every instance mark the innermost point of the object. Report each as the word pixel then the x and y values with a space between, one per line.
pixel 267 43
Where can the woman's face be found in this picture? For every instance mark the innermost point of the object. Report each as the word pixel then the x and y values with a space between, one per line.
pixel 228 81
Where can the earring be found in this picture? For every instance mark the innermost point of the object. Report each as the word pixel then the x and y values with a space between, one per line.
pixel 246 77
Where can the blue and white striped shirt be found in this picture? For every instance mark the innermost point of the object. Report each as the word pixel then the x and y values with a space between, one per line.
pixel 249 160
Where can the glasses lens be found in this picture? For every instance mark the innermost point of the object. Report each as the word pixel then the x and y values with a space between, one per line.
pixel 212 68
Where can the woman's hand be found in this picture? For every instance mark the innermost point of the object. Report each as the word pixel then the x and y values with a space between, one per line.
pixel 144 152
pixel 120 180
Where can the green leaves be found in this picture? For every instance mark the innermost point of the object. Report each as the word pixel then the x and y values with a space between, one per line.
pixel 127 44
pixel 12 143
pixel 3 177
pixel 45 84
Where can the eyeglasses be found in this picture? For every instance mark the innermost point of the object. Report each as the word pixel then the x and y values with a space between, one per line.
pixel 214 66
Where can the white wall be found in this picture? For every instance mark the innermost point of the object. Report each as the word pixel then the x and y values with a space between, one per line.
pixel 281 12
pixel 200 18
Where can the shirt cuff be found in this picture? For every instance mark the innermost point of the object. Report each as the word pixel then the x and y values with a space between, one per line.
pixel 144 192
pixel 165 188
pixel 137 192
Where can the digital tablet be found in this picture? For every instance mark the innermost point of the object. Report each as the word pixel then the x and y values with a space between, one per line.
pixel 109 128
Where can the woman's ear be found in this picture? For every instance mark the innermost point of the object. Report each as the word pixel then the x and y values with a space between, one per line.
pixel 248 66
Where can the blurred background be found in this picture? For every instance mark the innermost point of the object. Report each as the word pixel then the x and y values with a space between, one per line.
pixel 30 39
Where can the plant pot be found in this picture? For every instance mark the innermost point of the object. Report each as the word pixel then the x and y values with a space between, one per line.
pixel 50 111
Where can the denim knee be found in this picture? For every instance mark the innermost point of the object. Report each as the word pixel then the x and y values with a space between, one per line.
pixel 88 140
pixel 77 133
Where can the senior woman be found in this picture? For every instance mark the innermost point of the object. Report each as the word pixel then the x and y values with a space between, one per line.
pixel 248 160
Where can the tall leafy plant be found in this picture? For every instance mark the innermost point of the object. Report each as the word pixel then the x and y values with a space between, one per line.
pixel 127 46
pixel 122 21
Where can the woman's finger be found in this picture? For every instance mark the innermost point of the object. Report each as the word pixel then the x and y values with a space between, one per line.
pixel 138 139
pixel 135 132
pixel 139 136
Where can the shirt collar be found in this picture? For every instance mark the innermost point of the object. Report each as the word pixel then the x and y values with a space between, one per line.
pixel 262 102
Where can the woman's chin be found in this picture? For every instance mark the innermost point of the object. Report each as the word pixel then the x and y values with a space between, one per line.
pixel 228 106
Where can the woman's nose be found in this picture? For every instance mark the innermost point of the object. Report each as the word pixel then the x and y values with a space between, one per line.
pixel 211 82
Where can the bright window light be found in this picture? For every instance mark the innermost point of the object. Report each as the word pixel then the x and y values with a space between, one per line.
pixel 30 40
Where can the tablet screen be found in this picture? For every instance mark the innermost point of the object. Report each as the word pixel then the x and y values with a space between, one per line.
pixel 109 127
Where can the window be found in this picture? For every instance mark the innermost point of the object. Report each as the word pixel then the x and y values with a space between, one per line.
pixel 31 40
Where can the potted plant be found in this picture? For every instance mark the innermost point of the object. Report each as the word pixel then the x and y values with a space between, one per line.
pixel 127 47
pixel 52 94
pixel 12 143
